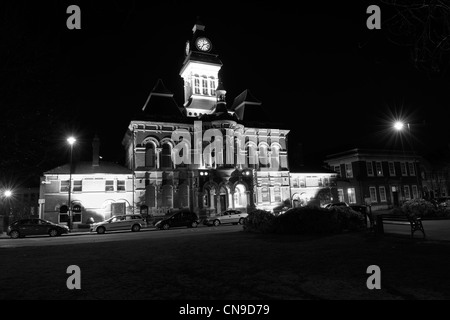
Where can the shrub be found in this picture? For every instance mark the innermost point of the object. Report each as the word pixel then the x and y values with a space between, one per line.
pixel 307 220
pixel 349 219
pixel 259 221
pixel 419 208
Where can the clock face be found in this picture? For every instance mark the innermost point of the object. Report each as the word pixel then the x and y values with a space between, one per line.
pixel 203 44
pixel 187 48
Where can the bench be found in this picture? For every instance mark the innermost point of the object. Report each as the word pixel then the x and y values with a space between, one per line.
pixel 415 223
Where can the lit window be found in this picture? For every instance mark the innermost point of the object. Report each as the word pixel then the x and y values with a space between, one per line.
pixel 369 168
pixel 212 86
pixel 205 86
pixel 351 195
pixel 379 169
pixel 382 194
pixel 196 85
pixel 373 194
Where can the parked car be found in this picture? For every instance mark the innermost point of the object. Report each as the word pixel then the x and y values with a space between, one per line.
pixel 31 227
pixel 182 218
pixel 336 204
pixel 133 222
pixel 228 216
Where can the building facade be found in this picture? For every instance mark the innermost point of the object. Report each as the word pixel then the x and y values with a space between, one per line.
pixel 98 190
pixel 381 178
pixel 232 157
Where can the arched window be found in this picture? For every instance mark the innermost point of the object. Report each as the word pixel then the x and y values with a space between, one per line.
pixel 166 156
pixel 252 158
pixel 240 196
pixel 150 155
pixel 275 158
pixel 263 159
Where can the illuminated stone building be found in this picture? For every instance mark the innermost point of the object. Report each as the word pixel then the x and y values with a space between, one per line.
pixel 250 171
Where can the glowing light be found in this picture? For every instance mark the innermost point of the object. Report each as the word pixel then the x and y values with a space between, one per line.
pixel 398 125
pixel 71 140
pixel 8 193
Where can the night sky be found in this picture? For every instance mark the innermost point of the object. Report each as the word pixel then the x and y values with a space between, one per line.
pixel 315 67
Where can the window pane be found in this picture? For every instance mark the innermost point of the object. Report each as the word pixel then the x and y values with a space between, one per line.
pixel 120 185
pixel 369 168
pixel 109 186
pixel 379 168
pixel 64 186
pixel 382 194
pixel 391 169
pixel 373 194
pixel 77 186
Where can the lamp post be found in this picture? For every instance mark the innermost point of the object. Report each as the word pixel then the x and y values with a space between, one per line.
pixel 399 125
pixel 71 141
pixel 8 194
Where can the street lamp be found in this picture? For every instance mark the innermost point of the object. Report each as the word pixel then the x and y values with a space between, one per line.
pixel 399 125
pixel 71 141
pixel 7 193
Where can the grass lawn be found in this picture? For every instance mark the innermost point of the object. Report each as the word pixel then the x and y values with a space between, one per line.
pixel 231 266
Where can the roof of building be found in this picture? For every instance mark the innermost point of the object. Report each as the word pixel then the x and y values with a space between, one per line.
pixel 161 105
pixel 310 169
pixel 86 167
pixel 368 152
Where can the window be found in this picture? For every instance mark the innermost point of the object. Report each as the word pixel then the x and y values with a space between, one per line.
pixel 348 170
pixel 64 186
pixel 391 169
pixel 150 155
pixel 351 195
pixel 412 171
pixel 109 185
pixel 337 169
pixel 166 158
pixel 382 194
pixel 77 186
pixel 120 185
pixel 415 192
pixel 212 86
pixel 407 194
pixel 369 168
pixel 373 194
pixel 263 159
pixel 379 169
pixel 264 194
pixel 341 195
pixel 277 194
pixel 205 86
pixel 196 85
pixel 403 169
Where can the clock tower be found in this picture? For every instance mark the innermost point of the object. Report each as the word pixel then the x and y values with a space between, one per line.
pixel 200 72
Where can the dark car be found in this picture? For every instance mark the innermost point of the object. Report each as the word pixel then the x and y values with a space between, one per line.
pixel 336 204
pixel 32 227
pixel 183 218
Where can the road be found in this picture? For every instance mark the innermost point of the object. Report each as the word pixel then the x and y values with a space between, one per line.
pixel 88 237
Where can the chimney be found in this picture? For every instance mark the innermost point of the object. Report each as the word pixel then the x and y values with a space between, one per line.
pixel 95 151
